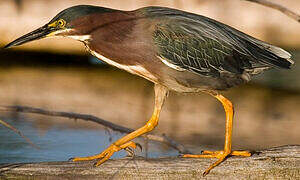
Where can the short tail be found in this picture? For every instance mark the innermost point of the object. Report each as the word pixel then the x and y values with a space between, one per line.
pixel 285 60
pixel 271 55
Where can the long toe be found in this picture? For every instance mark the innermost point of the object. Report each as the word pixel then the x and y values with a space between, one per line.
pixel 221 155
pixel 106 154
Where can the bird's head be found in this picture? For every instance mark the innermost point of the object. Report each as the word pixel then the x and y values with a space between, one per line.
pixel 75 22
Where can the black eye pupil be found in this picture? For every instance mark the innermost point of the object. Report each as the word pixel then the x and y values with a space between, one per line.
pixel 60 23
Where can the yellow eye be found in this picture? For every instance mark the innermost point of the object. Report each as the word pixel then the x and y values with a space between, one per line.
pixel 61 23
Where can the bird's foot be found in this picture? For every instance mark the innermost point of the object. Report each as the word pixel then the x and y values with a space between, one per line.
pixel 221 155
pixel 107 153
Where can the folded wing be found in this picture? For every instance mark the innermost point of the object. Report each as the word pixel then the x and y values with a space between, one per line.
pixel 202 45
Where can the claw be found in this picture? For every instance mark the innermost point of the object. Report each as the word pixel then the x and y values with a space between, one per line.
pixel 130 152
pixel 180 155
pixel 140 146
pixel 205 173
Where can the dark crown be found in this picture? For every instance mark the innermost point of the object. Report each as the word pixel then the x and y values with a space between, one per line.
pixel 75 12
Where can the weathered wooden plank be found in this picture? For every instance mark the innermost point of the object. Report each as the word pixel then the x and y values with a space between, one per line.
pixel 274 163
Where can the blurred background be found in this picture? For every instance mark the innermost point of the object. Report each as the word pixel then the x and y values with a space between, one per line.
pixel 59 75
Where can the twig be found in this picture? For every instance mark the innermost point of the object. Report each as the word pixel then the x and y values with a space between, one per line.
pixel 170 142
pixel 18 132
pixel 163 139
pixel 278 7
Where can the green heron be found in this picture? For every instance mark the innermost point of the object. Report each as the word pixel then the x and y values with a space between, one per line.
pixel 176 50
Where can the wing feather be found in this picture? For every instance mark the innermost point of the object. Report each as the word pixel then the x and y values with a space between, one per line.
pixel 207 47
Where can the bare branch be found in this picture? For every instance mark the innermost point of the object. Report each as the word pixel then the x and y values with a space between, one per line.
pixel 163 139
pixel 279 7
pixel 274 163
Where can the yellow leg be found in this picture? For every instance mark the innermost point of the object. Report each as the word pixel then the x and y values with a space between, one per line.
pixel 222 155
pixel 160 95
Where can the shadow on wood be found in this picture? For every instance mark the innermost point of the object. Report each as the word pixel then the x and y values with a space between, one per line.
pixel 278 162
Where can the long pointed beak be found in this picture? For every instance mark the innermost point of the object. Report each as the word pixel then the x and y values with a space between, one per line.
pixel 34 35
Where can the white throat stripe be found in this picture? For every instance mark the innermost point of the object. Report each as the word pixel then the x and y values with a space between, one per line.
pixel 134 69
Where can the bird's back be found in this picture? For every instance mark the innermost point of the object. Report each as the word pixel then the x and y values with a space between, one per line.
pixel 190 42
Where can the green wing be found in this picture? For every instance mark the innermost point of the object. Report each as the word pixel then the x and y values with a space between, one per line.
pixel 207 47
